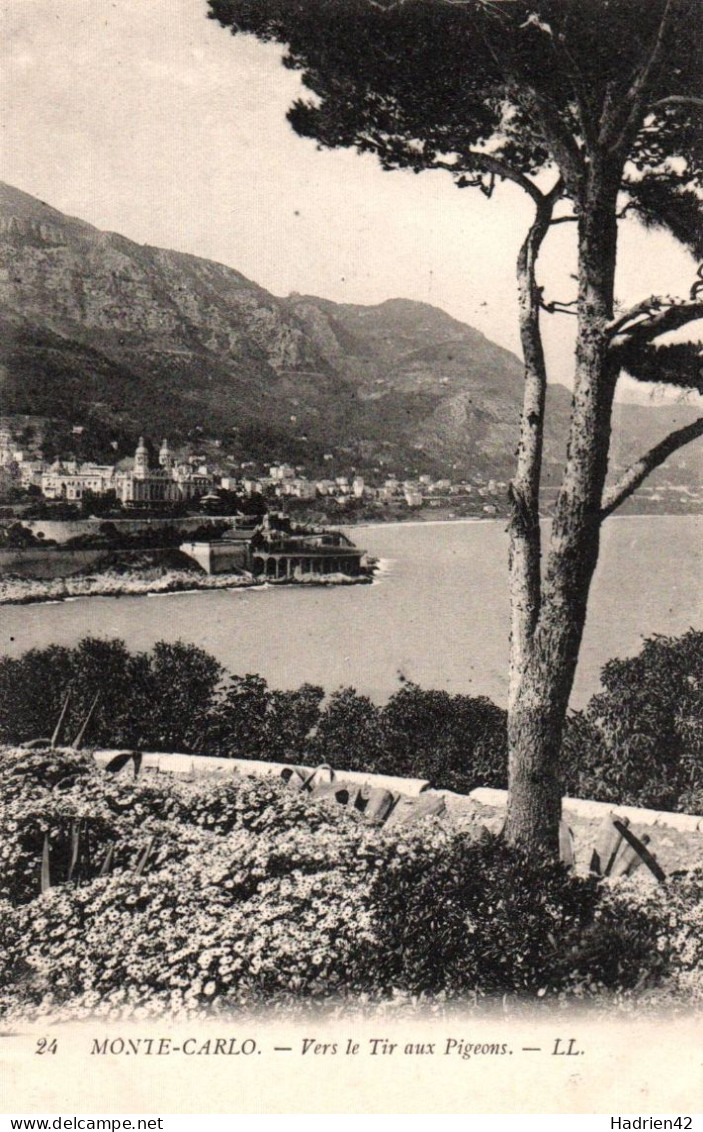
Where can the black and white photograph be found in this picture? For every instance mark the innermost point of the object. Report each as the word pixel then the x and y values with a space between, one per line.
pixel 351 531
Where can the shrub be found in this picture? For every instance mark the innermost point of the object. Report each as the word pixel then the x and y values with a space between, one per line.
pixel 262 805
pixel 178 698
pixel 250 720
pixel 51 794
pixel 455 742
pixel 458 913
pixel 350 734
pixel 57 802
pixel 24 773
pixel 159 700
pixel 640 741
pixel 643 936
pixel 182 940
pixel 245 898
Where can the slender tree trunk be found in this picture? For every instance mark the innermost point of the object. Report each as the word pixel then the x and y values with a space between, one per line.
pixel 543 663
pixel 525 536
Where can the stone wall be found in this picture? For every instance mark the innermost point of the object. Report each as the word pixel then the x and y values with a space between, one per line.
pixel 38 563
pixel 215 557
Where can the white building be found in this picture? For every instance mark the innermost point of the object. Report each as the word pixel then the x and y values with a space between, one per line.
pixel 281 472
pixel 71 481
pixel 301 488
pixel 326 487
pixel 31 472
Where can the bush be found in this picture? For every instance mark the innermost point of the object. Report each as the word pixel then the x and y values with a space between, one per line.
pixel 350 734
pixel 250 892
pixel 643 937
pixel 189 938
pixel 158 700
pixel 455 742
pixel 460 914
pixel 250 720
pixel 51 798
pixel 53 795
pixel 176 697
pixel 640 741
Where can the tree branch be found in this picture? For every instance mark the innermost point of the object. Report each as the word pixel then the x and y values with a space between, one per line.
pixel 639 471
pixel 676 100
pixel 556 306
pixel 565 151
pixel 471 160
pixel 635 100
pixel 645 306
pixel 651 63
pixel 663 316
pixel 584 110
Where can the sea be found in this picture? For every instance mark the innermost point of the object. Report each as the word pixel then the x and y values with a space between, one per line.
pixel 436 613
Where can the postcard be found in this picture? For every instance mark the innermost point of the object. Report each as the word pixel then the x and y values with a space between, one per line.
pixel 350 554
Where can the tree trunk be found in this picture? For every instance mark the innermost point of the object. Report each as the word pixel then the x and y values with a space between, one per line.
pixel 525 536
pixel 543 661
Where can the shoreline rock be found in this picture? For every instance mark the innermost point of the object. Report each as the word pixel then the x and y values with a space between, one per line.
pixel 31 591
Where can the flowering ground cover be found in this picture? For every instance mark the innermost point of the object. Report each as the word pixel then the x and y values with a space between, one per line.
pixel 194 898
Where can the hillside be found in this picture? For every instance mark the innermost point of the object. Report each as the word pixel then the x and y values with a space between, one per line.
pixel 96 330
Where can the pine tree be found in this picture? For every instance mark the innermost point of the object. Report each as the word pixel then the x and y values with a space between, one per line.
pixel 591 107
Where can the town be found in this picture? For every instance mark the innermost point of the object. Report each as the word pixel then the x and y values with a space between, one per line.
pixel 172 480
pixel 187 479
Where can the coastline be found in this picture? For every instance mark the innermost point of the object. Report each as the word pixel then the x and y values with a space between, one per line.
pixel 420 522
pixel 33 591
pixel 374 523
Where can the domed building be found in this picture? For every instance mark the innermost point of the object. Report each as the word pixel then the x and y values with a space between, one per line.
pixel 168 483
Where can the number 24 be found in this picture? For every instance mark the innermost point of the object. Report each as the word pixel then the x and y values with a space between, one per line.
pixel 46 1045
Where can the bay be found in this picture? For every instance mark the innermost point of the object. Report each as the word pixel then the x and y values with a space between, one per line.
pixel 437 613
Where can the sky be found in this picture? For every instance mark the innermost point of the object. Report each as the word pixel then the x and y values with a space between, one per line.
pixel 145 118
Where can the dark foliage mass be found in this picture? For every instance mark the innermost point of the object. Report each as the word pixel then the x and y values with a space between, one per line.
pixel 637 742
pixel 456 742
pixel 482 916
pixel 159 699
pixel 422 84
pixel 640 740
pixel 178 698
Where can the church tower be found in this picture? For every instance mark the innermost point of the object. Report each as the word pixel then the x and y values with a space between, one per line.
pixel 166 457
pixel 141 460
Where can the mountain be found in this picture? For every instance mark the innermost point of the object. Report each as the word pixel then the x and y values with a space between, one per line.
pixel 118 338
